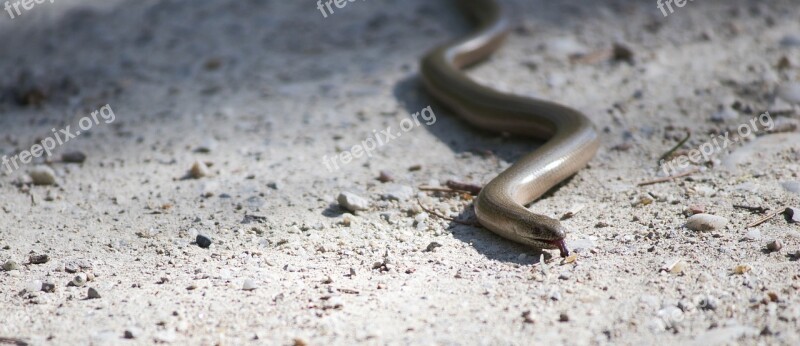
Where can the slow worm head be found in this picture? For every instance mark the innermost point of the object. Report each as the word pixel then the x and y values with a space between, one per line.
pixel 571 137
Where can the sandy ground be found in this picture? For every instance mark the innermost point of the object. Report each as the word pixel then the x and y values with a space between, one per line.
pixel 269 88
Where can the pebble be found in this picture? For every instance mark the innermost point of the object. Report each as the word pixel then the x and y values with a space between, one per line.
pixel 79 280
pixel 198 170
pixel 92 294
pixel 432 246
pixel 42 175
pixel 724 114
pixel 789 92
pixel 791 186
pixel 565 275
pixel 208 145
pixel 705 222
pixel 775 245
pixel 562 47
pixel 563 317
pixel 790 41
pixel 75 266
pixel 385 177
pixel 399 192
pixel 753 234
pixel 352 202
pixel 10 265
pixel 249 285
pixel 39 259
pixel 33 286
pixel 132 333
pixel 203 241
pixel 73 157
pixel 697 209
pixel 793 214
pixel 48 287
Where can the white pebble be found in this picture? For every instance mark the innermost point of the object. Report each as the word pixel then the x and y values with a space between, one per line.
pixel 352 202
pixel 789 92
pixel 42 175
pixel 398 192
pixel 33 286
pixel 706 222
pixel 249 285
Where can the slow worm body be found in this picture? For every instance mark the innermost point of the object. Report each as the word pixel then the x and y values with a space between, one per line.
pixel 571 137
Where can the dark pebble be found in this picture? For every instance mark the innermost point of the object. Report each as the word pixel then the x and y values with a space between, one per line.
pixel 73 157
pixel 203 241
pixel 39 259
pixel 93 294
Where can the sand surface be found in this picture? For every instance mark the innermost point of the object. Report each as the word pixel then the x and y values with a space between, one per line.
pixel 263 91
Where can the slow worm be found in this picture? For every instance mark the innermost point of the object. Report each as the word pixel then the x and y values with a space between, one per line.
pixel 570 135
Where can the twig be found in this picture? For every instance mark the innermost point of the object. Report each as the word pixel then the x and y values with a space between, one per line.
pixel 472 189
pixel 434 213
pixel 13 341
pixel 766 218
pixel 759 210
pixel 436 189
pixel 669 178
pixel 680 144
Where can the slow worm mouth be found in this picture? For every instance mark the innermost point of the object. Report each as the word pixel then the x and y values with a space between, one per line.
pixel 561 244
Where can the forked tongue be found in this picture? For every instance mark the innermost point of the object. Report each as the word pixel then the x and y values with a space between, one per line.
pixel 562 246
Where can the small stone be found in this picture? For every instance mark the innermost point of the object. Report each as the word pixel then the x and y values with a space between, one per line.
pixel 33 286
pixel 249 285
pixel 775 245
pixel 92 294
pixel 10 265
pixel 79 280
pixel 432 246
pixel 73 157
pixel 675 266
pixel 399 192
pixel 48 287
pixel 623 53
pixel 790 41
pixel 706 222
pixel 793 215
pixel 208 145
pixel 75 266
pixel 741 269
pixel 42 175
pixel 563 317
pixel 753 234
pixel 789 92
pixel 198 170
pixel 132 333
pixel 791 186
pixel 566 275
pixel 724 114
pixel 352 202
pixel 696 209
pixel 39 259
pixel 385 177
pixel 203 241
